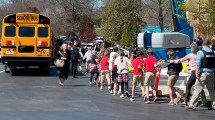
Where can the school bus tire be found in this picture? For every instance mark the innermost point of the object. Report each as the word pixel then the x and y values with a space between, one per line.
pixel 13 70
pixel 45 70
pixel 6 69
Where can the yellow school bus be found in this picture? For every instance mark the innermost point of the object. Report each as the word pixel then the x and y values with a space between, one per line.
pixel 26 41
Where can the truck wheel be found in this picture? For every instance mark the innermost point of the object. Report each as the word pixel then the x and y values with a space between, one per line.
pixel 13 71
pixel 45 70
pixel 6 69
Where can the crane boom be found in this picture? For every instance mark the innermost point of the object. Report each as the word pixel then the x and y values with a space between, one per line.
pixel 180 21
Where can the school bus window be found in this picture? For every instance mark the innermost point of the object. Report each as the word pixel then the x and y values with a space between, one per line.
pixel 43 32
pixel 26 31
pixel 10 31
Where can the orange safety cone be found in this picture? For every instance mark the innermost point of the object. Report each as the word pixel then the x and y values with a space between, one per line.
pixel 157 80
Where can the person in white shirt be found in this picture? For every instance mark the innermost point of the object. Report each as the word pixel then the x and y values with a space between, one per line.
pixel 115 49
pixel 88 57
pixel 123 63
pixel 112 54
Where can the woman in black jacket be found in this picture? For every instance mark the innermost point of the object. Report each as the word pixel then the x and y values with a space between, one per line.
pixel 63 54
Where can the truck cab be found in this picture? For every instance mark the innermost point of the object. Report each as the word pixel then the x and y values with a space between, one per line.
pixel 161 42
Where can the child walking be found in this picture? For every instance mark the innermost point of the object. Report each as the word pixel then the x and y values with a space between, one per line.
pixel 173 70
pixel 137 63
pixel 94 70
pixel 105 74
pixel 114 75
pixel 150 65
pixel 122 63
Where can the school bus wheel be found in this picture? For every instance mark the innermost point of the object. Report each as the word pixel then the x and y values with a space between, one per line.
pixel 6 69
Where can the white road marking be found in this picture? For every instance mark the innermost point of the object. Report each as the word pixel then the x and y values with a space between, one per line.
pixel 1 71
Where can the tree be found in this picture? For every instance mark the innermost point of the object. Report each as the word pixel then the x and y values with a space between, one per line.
pixel 203 16
pixel 87 32
pixel 129 34
pixel 66 15
pixel 158 12
pixel 117 16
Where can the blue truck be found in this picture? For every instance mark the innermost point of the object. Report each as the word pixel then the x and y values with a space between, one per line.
pixel 179 40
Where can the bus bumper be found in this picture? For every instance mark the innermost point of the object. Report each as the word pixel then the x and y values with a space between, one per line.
pixel 26 61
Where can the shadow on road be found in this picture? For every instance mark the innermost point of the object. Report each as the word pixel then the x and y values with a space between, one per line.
pixel 35 72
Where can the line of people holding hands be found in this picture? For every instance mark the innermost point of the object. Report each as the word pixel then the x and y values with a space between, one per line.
pixel 113 67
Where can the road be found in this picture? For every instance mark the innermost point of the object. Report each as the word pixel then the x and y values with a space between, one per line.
pixel 31 96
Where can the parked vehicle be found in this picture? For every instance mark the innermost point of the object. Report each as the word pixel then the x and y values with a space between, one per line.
pixel 0 51
pixel 121 49
pixel 26 41
pixel 87 45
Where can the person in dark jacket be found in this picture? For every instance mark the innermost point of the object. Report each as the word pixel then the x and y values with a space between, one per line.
pixel 74 58
pixel 213 48
pixel 173 70
pixel 64 71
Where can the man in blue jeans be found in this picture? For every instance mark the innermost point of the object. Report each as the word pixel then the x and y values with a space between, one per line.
pixel 205 68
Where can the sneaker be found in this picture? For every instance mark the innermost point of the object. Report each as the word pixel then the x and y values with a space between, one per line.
pixel 122 96
pixel 94 82
pixel 190 108
pixel 109 88
pixel 132 99
pixel 204 105
pixel 178 100
pixel 114 94
pixel 127 94
pixel 119 92
pixel 171 103
pixel 211 108
pixel 144 97
pixel 111 92
pixel 101 88
pixel 155 99
pixel 184 103
pixel 147 101
pixel 90 84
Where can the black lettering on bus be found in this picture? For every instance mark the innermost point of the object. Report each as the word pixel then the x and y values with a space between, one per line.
pixel 23 18
pixel 34 18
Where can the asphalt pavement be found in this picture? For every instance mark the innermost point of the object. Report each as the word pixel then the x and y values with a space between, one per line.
pixel 32 96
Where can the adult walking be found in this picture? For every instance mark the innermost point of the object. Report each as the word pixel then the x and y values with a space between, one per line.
pixel 192 79
pixel 63 54
pixel 204 74
pixel 213 48
pixel 74 58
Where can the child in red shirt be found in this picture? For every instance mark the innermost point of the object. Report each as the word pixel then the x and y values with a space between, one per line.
pixel 137 74
pixel 150 64
pixel 105 74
